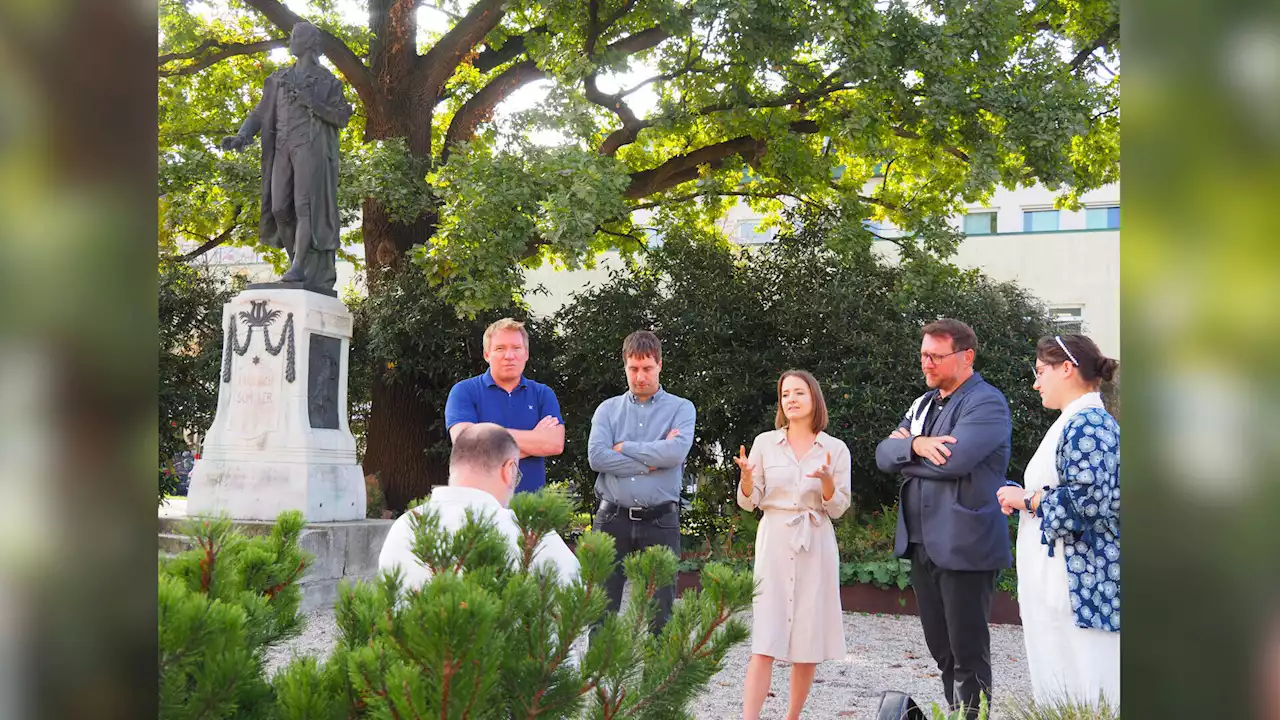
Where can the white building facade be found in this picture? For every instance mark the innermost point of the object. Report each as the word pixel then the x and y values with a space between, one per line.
pixel 1069 259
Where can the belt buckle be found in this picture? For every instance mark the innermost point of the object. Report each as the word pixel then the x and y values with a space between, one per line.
pixel 631 513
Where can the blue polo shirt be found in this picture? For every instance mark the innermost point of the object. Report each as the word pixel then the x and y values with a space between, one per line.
pixel 479 399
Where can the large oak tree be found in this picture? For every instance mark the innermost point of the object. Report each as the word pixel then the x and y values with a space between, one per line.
pixel 680 107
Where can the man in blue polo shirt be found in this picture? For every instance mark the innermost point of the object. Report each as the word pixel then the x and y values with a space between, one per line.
pixel 502 395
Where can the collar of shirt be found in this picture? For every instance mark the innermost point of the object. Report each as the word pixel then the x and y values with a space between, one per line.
pixel 632 397
pixel 970 383
pixel 1087 400
pixel 456 495
pixel 490 382
pixel 782 437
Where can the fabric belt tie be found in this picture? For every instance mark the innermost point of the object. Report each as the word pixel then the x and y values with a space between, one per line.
pixel 803 523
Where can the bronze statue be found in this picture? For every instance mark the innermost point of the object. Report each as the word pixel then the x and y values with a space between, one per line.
pixel 300 115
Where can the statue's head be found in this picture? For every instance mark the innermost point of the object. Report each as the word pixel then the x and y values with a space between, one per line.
pixel 305 39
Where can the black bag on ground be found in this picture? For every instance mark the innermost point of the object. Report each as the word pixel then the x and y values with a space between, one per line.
pixel 895 705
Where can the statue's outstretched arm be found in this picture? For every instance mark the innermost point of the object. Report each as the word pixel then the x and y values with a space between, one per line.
pixel 252 125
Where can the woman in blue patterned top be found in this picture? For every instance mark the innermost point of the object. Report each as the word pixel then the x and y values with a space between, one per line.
pixel 1069 534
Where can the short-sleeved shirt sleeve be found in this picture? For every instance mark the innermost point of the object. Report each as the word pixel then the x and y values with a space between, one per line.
pixel 463 404
pixel 549 404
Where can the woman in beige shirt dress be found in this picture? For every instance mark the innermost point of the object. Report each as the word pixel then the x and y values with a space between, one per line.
pixel 799 476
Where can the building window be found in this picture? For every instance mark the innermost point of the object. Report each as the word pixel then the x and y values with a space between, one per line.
pixel 1068 319
pixel 1102 218
pixel 750 232
pixel 980 223
pixel 1039 220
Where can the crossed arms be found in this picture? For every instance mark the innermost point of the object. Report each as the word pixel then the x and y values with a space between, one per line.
pixel 609 453
pixel 983 425
pixel 544 440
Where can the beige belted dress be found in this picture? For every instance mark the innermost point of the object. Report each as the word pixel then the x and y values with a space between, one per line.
pixel 796 616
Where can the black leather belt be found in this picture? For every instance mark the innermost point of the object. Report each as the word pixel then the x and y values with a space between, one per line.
pixel 636 514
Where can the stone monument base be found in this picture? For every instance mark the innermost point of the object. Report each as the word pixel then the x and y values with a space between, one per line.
pixel 343 550
pixel 280 438
pixel 255 490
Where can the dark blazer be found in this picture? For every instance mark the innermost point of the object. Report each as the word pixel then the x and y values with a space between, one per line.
pixel 963 528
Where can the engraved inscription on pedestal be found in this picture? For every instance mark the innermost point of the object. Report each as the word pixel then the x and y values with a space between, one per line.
pixel 322 381
pixel 256 402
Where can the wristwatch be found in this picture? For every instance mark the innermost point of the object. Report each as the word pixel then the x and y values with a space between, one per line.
pixel 1026 500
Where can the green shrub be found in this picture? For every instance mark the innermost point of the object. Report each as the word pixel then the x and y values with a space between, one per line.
pixel 220 605
pixel 190 301
pixel 482 639
pixel 867 537
pixel 731 319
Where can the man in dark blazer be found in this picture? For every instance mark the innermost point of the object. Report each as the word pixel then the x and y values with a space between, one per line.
pixel 952 451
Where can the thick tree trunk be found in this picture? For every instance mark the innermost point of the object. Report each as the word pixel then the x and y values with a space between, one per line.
pixel 402 425
pixel 405 419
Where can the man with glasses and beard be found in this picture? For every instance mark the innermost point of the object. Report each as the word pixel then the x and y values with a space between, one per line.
pixel 951 451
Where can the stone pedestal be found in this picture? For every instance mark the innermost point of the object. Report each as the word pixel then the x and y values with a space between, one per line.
pixel 280 439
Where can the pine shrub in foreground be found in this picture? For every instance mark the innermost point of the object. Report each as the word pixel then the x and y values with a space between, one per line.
pixel 488 636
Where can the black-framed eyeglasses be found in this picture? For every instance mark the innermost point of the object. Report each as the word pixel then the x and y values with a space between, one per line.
pixel 519 473
pixel 935 358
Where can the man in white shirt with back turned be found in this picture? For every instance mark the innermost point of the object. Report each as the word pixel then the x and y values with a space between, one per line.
pixel 484 471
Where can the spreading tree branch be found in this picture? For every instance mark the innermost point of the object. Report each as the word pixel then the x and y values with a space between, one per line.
pixel 683 168
pixel 479 107
pixel 628 133
pixel 950 149
pixel 717 193
pixel 439 63
pixel 514 47
pixel 612 103
pixel 218 239
pixel 618 14
pixel 1103 113
pixel 1105 38
pixel 223 51
pixel 592 34
pixel 597 29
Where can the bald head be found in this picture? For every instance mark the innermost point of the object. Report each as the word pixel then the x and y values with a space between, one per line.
pixel 483 447
pixel 486 457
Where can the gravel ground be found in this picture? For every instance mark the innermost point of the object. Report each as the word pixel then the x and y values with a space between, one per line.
pixel 885 652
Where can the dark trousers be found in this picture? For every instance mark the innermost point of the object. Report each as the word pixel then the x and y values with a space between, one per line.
pixel 630 536
pixel 955 609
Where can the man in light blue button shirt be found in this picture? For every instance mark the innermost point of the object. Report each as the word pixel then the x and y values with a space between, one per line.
pixel 639 441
